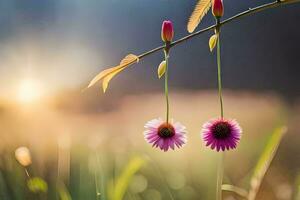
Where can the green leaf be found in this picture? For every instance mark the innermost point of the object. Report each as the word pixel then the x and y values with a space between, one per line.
pixel 118 190
pixel 265 161
pixel 63 192
pixel 161 69
pixel 37 184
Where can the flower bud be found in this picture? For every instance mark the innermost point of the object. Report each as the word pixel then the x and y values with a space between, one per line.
pixel 161 69
pixel 22 155
pixel 167 31
pixel 217 8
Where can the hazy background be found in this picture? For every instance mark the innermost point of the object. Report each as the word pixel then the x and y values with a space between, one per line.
pixel 62 44
pixel 51 49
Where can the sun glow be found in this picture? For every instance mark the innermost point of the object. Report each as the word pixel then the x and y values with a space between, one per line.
pixel 29 91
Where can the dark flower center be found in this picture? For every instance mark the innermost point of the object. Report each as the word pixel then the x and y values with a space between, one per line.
pixel 166 130
pixel 221 130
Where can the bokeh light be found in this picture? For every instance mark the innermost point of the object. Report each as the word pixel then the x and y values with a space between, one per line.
pixel 29 91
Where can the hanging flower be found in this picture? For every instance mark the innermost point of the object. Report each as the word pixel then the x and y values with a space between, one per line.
pixel 167 31
pixel 165 135
pixel 217 8
pixel 221 134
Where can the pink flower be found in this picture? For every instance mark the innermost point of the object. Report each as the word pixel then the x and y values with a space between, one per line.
pixel 217 8
pixel 167 31
pixel 221 134
pixel 165 135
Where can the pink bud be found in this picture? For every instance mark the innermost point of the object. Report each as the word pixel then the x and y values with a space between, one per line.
pixel 167 31
pixel 218 8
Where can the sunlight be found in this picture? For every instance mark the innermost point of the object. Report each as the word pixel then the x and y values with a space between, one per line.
pixel 29 91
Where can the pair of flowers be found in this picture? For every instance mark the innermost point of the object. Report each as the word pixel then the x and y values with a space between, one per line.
pixel 219 134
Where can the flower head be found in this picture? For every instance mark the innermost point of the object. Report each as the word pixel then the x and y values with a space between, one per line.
pixel 217 8
pixel 22 155
pixel 165 135
pixel 167 31
pixel 221 134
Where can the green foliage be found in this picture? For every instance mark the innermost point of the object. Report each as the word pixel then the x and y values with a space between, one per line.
pixel 63 192
pixel 37 185
pixel 297 188
pixel 261 167
pixel 265 161
pixel 117 190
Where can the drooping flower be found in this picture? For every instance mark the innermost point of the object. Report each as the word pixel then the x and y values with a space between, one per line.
pixel 221 134
pixel 167 31
pixel 165 135
pixel 22 155
pixel 217 8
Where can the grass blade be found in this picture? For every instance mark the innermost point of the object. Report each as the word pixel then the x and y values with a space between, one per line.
pixel 265 161
pixel 297 188
pixel 237 190
pixel 117 191
pixel 63 192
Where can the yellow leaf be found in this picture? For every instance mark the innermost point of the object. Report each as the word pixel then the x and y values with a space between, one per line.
pixel 212 42
pixel 199 12
pixel 101 75
pixel 109 73
pixel 129 59
pixel 107 78
pixel 161 69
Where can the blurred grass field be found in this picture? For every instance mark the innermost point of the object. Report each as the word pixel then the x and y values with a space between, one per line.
pixel 94 155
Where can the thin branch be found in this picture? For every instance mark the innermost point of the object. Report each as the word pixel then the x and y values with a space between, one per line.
pixel 250 11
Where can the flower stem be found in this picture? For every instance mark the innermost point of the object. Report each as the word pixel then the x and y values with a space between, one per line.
pixel 220 175
pixel 219 72
pixel 221 155
pixel 27 172
pixel 166 85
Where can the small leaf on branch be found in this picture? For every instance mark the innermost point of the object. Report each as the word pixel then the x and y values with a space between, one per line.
pixel 199 12
pixel 108 74
pixel 161 69
pixel 129 59
pixel 212 42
